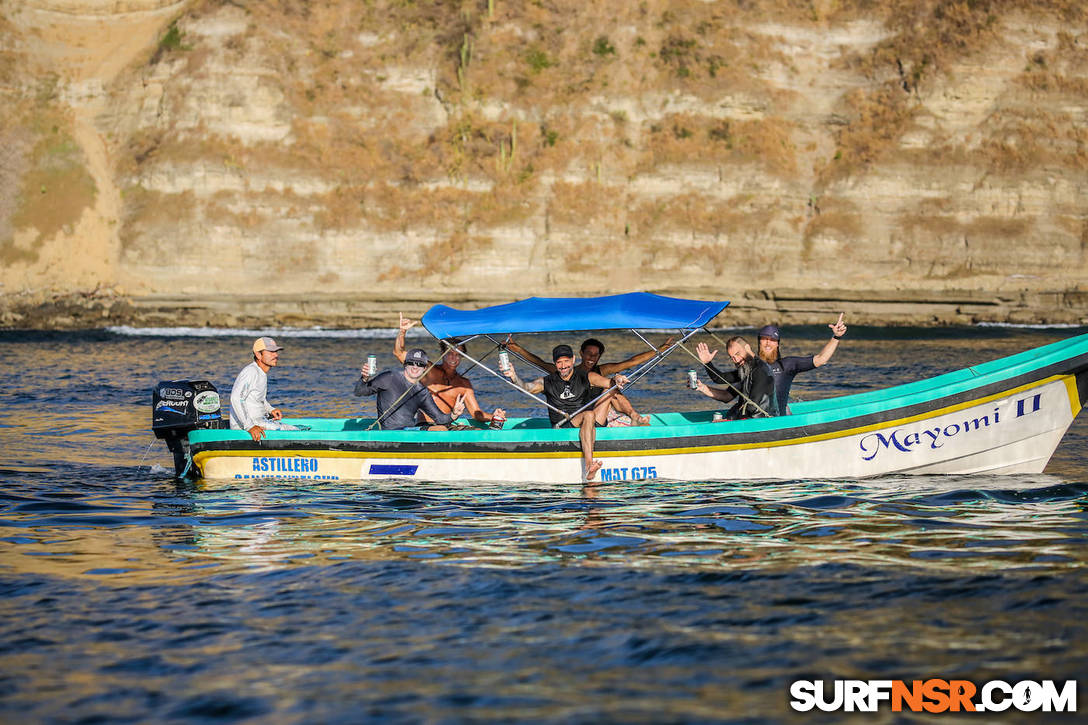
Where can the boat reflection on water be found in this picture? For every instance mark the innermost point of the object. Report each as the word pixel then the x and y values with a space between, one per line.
pixel 930 521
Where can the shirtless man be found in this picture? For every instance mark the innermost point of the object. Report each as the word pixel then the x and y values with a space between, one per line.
pixel 591 350
pixel 443 380
pixel 567 388
pixel 401 396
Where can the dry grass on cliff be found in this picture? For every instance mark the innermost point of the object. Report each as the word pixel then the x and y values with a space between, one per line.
pixel 440 259
pixel 1062 71
pixel 698 140
pixel 928 38
pixel 393 208
pixel 709 233
pixel 696 214
pixel 593 207
pixel 836 219
pixel 1019 140
pixel 448 255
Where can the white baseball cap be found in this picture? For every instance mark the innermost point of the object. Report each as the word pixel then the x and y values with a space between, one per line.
pixel 265 343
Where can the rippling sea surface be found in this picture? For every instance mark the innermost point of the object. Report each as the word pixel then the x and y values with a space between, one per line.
pixel 129 597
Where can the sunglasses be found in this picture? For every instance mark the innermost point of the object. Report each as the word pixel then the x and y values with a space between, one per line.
pixel 414 365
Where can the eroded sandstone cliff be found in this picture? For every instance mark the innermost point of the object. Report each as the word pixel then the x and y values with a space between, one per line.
pixel 222 162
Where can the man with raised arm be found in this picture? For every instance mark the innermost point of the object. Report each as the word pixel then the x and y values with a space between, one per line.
pixel 591 351
pixel 567 388
pixel 401 396
pixel 751 384
pixel 443 380
pixel 784 369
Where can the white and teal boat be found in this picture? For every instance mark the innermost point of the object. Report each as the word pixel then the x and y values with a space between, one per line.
pixel 1000 417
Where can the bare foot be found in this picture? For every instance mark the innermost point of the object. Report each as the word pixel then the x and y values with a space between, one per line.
pixel 642 419
pixel 592 468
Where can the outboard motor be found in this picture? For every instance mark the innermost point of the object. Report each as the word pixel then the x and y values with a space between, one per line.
pixel 179 406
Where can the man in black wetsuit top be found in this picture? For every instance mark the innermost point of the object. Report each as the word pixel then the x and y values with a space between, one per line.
pixel 751 384
pixel 400 396
pixel 568 389
pixel 784 369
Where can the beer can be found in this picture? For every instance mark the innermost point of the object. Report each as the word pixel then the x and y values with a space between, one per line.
pixel 498 421
pixel 717 416
pixel 693 380
pixel 371 365
pixel 504 361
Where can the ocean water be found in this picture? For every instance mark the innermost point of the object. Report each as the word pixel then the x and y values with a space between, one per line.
pixel 130 597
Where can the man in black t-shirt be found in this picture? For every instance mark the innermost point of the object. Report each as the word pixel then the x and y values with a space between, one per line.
pixel 591 350
pixel 784 369
pixel 569 389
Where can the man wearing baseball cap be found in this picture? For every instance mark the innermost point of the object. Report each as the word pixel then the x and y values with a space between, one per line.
pixel 591 351
pixel 568 389
pixel 784 369
pixel 444 381
pixel 249 407
pixel 401 396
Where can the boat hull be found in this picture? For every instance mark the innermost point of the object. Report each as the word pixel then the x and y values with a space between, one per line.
pixel 1002 427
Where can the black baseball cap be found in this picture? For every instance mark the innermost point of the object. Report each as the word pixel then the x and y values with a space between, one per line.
pixel 561 351
pixel 770 331
pixel 417 356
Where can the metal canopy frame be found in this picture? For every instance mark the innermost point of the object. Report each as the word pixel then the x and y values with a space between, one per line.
pixel 639 372
pixel 685 333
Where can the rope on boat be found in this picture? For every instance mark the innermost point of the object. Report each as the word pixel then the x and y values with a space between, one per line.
pixel 144 456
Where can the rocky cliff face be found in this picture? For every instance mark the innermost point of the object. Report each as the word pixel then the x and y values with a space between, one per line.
pixel 223 162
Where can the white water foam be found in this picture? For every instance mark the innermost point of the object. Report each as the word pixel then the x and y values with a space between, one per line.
pixel 1025 326
pixel 286 332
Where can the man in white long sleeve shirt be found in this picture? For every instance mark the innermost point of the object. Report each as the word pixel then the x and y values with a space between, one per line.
pixel 249 407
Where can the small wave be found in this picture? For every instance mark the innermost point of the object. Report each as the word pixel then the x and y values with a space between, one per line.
pixel 287 332
pixel 1026 326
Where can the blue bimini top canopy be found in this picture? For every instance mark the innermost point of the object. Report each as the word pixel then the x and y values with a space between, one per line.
pixel 562 314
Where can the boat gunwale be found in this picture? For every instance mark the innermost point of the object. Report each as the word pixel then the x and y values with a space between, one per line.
pixel 825 421
pixel 709 440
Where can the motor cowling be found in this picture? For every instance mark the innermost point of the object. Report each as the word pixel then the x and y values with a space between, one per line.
pixel 180 406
